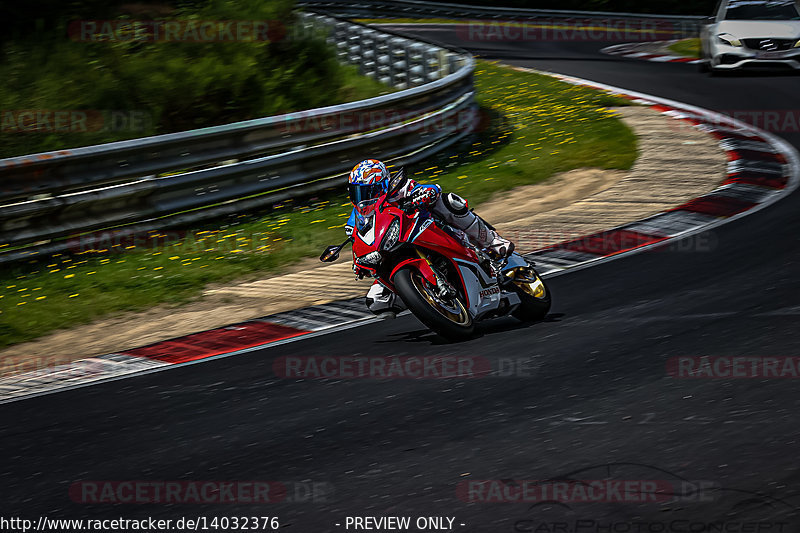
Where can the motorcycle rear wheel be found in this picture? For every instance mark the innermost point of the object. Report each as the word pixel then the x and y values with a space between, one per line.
pixel 534 295
pixel 450 319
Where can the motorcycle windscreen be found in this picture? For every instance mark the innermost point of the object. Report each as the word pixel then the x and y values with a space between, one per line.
pixel 365 220
pixel 367 207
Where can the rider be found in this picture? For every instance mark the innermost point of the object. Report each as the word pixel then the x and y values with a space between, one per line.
pixel 370 179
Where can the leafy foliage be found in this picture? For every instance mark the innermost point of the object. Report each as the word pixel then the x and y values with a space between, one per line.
pixel 174 85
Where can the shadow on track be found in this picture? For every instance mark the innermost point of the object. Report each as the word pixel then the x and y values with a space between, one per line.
pixel 495 326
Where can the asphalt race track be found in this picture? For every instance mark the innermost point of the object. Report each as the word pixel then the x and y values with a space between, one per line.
pixel 595 401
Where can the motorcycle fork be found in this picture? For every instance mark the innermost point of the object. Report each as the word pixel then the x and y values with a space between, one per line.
pixel 443 287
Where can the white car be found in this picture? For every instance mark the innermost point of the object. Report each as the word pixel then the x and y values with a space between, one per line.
pixel 752 33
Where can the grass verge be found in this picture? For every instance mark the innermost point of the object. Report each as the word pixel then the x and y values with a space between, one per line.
pixel 536 126
pixel 686 48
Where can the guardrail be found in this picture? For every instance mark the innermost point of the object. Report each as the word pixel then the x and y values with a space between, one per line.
pixel 682 25
pixel 175 179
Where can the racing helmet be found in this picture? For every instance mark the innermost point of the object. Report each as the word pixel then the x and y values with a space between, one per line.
pixel 368 179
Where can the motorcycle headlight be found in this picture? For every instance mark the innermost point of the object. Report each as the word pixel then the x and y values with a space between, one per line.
pixel 391 235
pixel 728 39
pixel 372 259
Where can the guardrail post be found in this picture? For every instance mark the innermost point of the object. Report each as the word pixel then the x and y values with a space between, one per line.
pixel 452 62
pixel 433 63
pixel 340 36
pixel 399 63
pixel 354 45
pixel 383 59
pixel 415 73
pixel 368 45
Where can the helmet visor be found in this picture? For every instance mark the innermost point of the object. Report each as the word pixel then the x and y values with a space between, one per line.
pixel 358 193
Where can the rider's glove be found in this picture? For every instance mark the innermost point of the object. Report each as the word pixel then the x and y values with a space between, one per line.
pixel 360 272
pixel 424 196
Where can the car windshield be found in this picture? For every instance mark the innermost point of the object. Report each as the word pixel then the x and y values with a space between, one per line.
pixel 762 11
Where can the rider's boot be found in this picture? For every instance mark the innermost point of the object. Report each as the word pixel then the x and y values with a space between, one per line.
pixel 383 302
pixel 481 234
pixel 485 237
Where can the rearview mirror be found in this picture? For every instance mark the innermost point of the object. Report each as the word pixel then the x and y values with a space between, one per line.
pixel 330 254
pixel 397 181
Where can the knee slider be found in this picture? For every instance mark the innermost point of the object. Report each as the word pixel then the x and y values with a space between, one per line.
pixel 455 204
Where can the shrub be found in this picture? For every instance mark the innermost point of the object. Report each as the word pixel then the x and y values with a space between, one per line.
pixel 174 85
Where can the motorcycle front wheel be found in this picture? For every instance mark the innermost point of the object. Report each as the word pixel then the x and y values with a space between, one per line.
pixel 448 318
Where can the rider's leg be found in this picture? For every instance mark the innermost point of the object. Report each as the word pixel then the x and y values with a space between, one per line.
pixel 455 211
pixel 383 302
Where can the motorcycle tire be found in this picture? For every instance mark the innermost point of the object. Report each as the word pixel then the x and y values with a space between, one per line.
pixel 532 308
pixel 451 322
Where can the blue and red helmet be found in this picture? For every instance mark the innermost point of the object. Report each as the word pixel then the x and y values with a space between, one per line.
pixel 368 179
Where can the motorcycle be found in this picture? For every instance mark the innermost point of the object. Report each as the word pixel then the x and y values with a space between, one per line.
pixel 444 280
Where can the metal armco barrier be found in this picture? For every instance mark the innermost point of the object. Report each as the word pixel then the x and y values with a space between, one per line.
pixel 683 26
pixel 46 198
pixel 390 59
